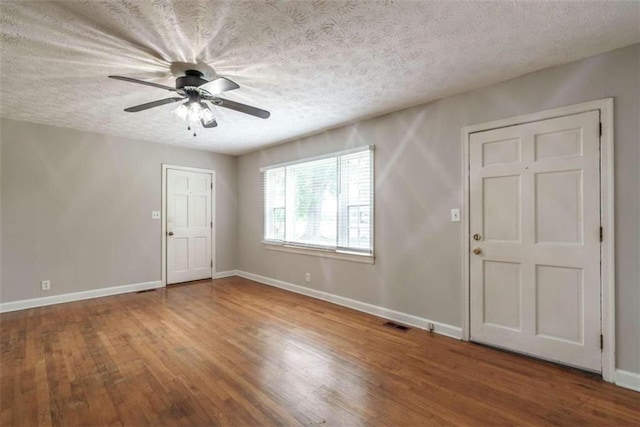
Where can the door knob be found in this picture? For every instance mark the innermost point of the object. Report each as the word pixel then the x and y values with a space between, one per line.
pixel 170 233
pixel 476 251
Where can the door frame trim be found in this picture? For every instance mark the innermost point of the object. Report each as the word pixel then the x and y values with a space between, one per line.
pixel 607 247
pixel 163 216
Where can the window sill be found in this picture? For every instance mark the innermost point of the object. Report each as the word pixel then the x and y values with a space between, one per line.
pixel 344 256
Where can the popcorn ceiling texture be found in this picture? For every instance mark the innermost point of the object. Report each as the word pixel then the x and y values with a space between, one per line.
pixel 314 64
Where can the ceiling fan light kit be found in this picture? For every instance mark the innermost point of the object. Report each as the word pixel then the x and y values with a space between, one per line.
pixel 193 112
pixel 193 88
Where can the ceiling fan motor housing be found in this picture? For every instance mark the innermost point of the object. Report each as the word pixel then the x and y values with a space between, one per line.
pixel 192 78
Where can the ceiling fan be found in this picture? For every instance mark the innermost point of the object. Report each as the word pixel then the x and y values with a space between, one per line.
pixel 197 92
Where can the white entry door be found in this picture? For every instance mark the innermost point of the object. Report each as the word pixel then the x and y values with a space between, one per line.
pixel 189 226
pixel 535 239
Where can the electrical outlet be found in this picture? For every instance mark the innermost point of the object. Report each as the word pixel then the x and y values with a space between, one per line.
pixel 45 285
pixel 307 277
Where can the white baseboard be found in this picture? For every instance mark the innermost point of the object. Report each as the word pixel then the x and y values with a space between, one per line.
pixel 626 379
pixel 223 274
pixel 404 318
pixel 77 296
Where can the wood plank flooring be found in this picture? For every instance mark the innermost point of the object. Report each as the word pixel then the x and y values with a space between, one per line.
pixel 235 352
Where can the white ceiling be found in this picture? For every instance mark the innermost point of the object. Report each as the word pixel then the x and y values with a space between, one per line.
pixel 314 64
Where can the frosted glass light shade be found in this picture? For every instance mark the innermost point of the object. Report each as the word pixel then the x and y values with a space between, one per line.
pixel 182 111
pixel 195 112
pixel 207 115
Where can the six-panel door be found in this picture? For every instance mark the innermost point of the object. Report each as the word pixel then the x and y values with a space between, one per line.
pixel 188 226
pixel 534 205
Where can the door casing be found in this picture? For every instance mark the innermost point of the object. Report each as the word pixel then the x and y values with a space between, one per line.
pixel 163 254
pixel 607 246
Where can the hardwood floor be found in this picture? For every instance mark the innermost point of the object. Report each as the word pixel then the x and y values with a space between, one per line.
pixel 235 352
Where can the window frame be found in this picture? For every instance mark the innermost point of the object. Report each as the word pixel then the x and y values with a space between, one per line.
pixel 328 252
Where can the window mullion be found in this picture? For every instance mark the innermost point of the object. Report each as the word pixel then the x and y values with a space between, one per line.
pixel 340 209
pixel 284 233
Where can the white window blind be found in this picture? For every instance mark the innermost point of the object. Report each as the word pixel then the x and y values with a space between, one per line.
pixel 324 203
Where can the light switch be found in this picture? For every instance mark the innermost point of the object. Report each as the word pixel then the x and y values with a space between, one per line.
pixel 455 215
pixel 155 214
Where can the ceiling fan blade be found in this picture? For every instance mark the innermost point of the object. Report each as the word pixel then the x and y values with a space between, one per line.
pixel 152 104
pixel 209 125
pixel 219 85
pixel 142 82
pixel 243 108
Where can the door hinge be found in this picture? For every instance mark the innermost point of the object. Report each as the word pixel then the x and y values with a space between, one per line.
pixel 601 341
pixel 600 128
pixel 212 266
pixel 601 234
pixel 600 134
pixel 211 224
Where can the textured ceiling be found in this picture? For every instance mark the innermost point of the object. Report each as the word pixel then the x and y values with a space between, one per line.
pixel 314 64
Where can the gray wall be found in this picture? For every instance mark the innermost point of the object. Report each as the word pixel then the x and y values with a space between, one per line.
pixel 76 209
pixel 418 180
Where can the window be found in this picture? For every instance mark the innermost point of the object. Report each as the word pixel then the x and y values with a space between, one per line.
pixel 323 203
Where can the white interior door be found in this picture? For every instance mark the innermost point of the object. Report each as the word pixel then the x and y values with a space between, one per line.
pixel 535 239
pixel 189 226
